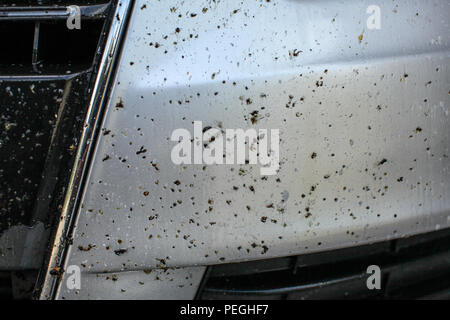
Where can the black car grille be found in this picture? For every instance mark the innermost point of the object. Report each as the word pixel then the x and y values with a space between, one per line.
pixel 411 268
pixel 46 76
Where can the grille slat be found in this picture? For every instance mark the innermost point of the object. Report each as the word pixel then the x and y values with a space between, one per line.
pixel 51 12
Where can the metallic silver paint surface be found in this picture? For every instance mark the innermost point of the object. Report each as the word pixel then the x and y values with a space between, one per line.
pixel 172 284
pixel 363 118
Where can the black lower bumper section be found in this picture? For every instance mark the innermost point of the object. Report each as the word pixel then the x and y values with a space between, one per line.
pixel 417 267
